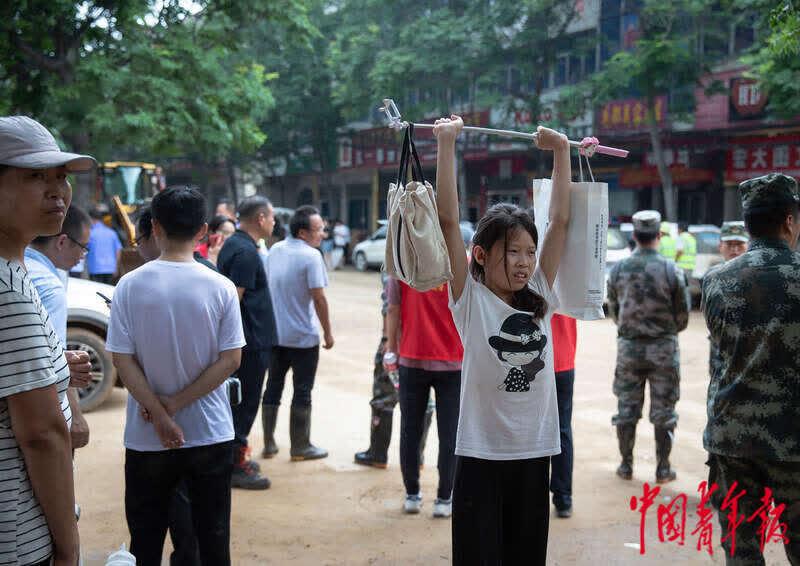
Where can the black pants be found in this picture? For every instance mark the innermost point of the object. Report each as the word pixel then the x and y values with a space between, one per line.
pixel 107 278
pixel 561 464
pixel 303 362
pixel 150 482
pixel 251 374
pixel 415 385
pixel 501 514
pixel 181 530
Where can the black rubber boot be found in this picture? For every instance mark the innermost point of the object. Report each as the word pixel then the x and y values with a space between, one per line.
pixel 377 455
pixel 664 473
pixel 269 418
pixel 426 425
pixel 626 435
pixel 300 433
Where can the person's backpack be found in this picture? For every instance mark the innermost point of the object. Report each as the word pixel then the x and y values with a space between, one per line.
pixel 416 252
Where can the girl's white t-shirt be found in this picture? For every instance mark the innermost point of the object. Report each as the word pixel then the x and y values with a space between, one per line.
pixel 509 409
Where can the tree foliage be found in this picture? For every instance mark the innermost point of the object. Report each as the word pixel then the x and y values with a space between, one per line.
pixel 668 59
pixel 446 54
pixel 776 61
pixel 133 78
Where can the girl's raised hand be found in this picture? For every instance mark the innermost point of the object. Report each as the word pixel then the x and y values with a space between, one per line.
pixel 550 139
pixel 446 129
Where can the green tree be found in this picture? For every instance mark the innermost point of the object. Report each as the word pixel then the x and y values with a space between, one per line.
pixel 776 60
pixel 668 58
pixel 122 79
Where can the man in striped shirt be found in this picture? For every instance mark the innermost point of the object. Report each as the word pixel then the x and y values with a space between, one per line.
pixel 37 499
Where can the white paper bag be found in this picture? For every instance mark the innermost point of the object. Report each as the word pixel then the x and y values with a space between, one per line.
pixel 580 281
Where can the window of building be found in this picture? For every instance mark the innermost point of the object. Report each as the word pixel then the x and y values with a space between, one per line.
pixel 514 80
pixel 575 69
pixel 561 70
pixel 744 36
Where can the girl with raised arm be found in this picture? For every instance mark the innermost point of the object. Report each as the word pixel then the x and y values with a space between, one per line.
pixel 502 303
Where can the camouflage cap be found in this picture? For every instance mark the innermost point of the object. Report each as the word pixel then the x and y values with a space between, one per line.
pixel 734 232
pixel 775 189
pixel 647 221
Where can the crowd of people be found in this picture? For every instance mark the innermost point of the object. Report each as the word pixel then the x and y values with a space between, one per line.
pixel 208 304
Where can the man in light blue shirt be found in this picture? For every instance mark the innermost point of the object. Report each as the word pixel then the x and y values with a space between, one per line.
pixel 104 249
pixel 297 279
pixel 47 261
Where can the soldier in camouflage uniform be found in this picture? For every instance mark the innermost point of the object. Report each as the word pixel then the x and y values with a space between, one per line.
pixel 752 309
pixel 384 398
pixel 733 240
pixel 649 302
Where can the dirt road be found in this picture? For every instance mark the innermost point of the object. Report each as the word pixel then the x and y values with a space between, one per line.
pixel 334 512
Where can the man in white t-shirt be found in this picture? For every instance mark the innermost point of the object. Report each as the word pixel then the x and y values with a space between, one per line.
pixel 297 280
pixel 176 335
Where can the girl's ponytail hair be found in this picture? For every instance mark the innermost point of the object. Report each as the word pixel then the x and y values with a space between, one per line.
pixel 500 221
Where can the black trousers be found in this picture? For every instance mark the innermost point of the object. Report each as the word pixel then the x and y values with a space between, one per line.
pixel 561 464
pixel 181 530
pixel 415 385
pixel 303 362
pixel 251 374
pixel 501 512
pixel 150 482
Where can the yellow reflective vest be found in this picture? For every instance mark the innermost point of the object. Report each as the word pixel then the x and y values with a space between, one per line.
pixel 688 258
pixel 668 247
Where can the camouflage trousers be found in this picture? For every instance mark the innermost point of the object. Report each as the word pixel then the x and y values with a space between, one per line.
pixel 384 391
pixel 783 478
pixel 655 361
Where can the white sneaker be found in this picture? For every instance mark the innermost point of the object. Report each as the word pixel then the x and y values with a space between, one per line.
pixel 413 504
pixel 443 508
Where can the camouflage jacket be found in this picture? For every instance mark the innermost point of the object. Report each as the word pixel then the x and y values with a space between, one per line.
pixel 713 351
pixel 647 296
pixel 752 309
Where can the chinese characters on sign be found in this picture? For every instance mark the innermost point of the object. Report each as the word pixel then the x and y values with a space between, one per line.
pixel 377 147
pixel 630 115
pixel 747 99
pixel 677 156
pixel 671 517
pixel 758 156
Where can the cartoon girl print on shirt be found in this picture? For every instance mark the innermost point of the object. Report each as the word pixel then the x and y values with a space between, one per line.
pixel 520 344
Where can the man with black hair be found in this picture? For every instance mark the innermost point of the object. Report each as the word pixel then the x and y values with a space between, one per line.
pixel 43 259
pixel 225 207
pixel 752 308
pixel 148 247
pixel 176 335
pixel 649 302
pixel 184 542
pixel 240 261
pixel 297 279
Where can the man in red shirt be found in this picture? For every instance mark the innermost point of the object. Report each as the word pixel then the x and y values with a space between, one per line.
pixel 420 329
pixel 565 334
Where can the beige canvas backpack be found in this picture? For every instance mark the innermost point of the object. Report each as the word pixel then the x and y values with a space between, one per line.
pixel 416 252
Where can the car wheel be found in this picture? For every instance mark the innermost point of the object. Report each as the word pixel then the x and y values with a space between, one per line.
pixel 361 261
pixel 103 374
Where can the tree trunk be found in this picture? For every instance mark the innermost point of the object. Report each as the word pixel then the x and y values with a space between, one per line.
pixel 670 194
pixel 232 189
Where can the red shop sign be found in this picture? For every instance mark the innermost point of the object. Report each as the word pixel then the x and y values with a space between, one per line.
pixel 747 97
pixel 752 157
pixel 629 115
